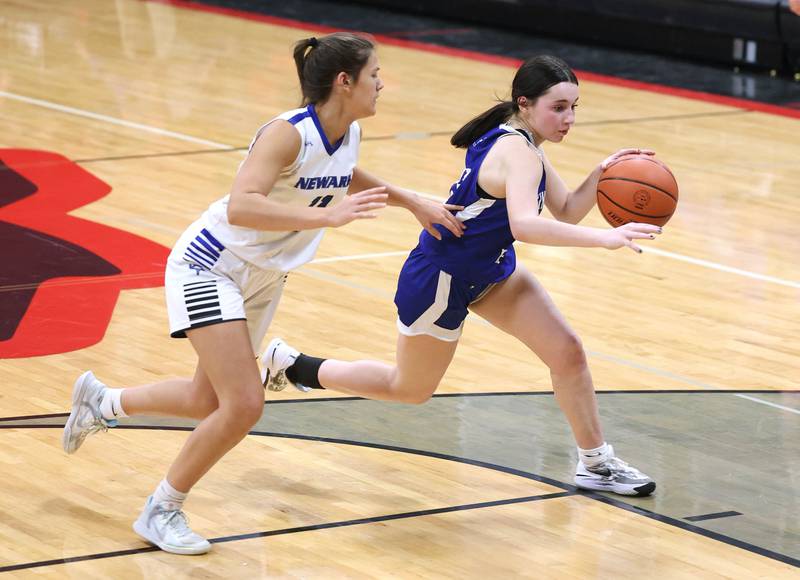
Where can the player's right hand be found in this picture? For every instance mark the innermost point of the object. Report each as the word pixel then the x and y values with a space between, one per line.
pixel 616 157
pixel 624 236
pixel 361 205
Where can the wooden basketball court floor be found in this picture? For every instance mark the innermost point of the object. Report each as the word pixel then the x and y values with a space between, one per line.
pixel 121 121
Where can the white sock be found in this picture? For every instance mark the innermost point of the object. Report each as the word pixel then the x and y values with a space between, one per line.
pixel 111 405
pixel 166 493
pixel 596 456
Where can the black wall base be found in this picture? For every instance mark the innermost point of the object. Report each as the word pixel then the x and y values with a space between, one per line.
pixel 759 34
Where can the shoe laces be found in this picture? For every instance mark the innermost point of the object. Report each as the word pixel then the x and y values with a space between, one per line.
pixel 176 521
pixel 99 423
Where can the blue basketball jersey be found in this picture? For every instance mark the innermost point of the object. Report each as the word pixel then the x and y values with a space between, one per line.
pixel 484 253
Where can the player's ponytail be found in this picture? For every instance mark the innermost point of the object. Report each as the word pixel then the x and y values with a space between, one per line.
pixel 319 60
pixel 300 48
pixel 533 79
pixel 484 122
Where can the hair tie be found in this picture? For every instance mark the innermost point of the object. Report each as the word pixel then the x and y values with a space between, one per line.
pixel 313 42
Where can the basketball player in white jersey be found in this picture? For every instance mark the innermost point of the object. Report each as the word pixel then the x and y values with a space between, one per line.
pixel 506 181
pixel 225 274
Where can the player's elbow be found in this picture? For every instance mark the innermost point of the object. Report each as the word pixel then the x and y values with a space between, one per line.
pixel 235 210
pixel 563 214
pixel 524 229
pixel 517 230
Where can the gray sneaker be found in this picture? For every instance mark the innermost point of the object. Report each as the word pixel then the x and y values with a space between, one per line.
pixel 168 528
pixel 614 475
pixel 278 357
pixel 85 418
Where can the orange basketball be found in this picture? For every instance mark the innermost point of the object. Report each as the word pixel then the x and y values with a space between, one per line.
pixel 638 188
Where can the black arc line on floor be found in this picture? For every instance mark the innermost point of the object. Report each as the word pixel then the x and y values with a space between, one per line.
pixel 528 475
pixel 284 531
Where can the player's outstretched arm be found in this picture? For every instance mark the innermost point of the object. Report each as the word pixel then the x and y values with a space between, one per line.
pixel 427 212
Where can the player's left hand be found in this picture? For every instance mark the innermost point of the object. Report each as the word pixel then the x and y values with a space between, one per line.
pixel 430 212
pixel 612 159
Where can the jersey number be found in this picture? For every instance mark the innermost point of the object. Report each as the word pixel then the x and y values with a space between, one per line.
pixel 457 184
pixel 321 201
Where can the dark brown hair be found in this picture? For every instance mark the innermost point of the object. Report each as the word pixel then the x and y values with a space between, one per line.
pixel 533 79
pixel 319 60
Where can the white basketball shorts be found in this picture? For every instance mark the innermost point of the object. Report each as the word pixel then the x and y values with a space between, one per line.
pixel 206 284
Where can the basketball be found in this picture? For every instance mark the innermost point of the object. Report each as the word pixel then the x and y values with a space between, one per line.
pixel 638 188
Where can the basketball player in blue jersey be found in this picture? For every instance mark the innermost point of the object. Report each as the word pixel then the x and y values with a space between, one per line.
pixel 225 274
pixel 503 188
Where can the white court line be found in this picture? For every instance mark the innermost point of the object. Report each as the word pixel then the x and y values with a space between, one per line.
pixel 721 267
pixel 653 370
pixel 189 138
pixel 113 120
pixel 755 400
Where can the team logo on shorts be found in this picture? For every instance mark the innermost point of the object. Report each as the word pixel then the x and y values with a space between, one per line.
pixel 61 274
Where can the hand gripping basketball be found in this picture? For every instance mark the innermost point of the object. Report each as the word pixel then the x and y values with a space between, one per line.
pixel 612 159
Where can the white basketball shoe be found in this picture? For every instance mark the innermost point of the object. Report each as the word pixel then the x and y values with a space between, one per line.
pixel 278 357
pixel 85 418
pixel 168 528
pixel 614 475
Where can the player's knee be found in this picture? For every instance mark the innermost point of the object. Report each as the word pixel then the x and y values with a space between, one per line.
pixel 571 356
pixel 413 393
pixel 418 398
pixel 252 410
pixel 245 411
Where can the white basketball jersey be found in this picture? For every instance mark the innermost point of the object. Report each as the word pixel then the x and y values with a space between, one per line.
pixel 319 176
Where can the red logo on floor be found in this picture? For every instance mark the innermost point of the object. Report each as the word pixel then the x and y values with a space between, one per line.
pixel 61 275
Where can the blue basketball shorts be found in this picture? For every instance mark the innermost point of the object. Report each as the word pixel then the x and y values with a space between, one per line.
pixel 430 301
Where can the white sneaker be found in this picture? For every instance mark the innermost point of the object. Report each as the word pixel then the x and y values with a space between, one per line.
pixel 278 357
pixel 614 475
pixel 169 529
pixel 85 417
